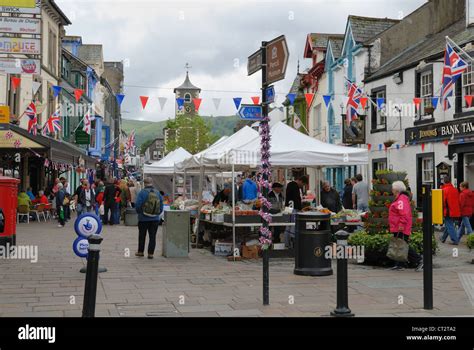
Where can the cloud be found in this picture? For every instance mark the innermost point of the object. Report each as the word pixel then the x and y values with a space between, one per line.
pixel 215 37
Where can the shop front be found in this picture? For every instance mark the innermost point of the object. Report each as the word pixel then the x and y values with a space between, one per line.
pixel 457 161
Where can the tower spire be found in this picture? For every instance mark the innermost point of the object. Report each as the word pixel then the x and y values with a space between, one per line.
pixel 187 66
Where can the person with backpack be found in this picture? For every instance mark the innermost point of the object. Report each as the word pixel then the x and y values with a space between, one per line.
pixel 149 205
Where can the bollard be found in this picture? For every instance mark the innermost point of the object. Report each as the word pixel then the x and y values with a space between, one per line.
pixel 427 250
pixel 342 308
pixel 90 290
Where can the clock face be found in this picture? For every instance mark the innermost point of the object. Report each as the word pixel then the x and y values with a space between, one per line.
pixel 188 109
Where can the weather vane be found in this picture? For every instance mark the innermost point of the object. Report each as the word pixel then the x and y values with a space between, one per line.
pixel 187 66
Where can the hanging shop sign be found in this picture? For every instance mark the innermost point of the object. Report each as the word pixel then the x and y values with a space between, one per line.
pixel 32 7
pixel 440 131
pixel 20 46
pixel 4 114
pixel 82 138
pixel 354 134
pixel 11 139
pixel 442 169
pixel 19 66
pixel 20 25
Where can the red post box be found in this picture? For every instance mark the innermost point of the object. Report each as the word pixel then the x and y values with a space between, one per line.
pixel 8 204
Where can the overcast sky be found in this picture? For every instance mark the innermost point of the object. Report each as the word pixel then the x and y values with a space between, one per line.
pixel 157 37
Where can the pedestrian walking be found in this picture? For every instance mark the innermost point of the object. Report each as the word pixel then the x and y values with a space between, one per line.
pixel 86 198
pixel 61 202
pixel 109 203
pixel 451 210
pixel 400 222
pixel 466 201
pixel 125 198
pixel 149 206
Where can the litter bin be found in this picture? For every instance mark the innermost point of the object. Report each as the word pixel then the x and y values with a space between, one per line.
pixel 8 204
pixel 131 217
pixel 312 236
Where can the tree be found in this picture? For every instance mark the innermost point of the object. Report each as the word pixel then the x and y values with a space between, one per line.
pixel 190 132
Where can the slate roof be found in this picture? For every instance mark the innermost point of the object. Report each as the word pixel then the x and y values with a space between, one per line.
pixel 187 85
pixel 321 39
pixel 336 45
pixel 365 28
pixel 430 47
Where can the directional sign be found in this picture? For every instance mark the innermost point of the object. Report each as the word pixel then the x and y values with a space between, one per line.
pixel 269 95
pixel 277 59
pixel 254 63
pixel 250 112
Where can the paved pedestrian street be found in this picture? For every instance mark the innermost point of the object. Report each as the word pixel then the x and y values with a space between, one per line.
pixel 206 285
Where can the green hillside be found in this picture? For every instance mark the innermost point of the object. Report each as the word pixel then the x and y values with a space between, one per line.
pixel 146 130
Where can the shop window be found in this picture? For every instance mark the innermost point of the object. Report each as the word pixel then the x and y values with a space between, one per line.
pixel 425 174
pixel 467 87
pixel 427 170
pixel 424 90
pixel 378 164
pixel 378 116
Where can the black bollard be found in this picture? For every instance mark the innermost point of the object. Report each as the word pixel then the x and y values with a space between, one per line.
pixel 427 250
pixel 90 290
pixel 342 308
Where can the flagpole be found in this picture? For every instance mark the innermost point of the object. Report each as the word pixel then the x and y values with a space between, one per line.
pixel 459 48
pixel 77 127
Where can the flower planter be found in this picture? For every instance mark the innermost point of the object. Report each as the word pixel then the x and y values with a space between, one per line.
pixel 383 198
pixel 396 176
pixel 378 209
pixel 383 221
pixel 383 188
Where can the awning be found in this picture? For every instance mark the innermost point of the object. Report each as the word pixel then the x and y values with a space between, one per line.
pixel 59 151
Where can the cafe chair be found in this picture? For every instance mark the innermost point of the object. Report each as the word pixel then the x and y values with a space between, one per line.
pixel 23 210
pixel 39 211
pixel 47 211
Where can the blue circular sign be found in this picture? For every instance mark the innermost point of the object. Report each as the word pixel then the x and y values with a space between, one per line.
pixel 87 224
pixel 81 247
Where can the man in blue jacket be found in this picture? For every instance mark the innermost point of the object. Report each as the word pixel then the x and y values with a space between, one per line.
pixel 249 190
pixel 149 205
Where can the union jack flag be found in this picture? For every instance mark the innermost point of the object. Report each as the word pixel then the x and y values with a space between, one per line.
pixel 33 122
pixel 53 124
pixel 88 122
pixel 454 66
pixel 354 94
pixel 130 141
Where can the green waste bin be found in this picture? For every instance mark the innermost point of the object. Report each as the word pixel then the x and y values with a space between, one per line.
pixel 131 217
pixel 312 238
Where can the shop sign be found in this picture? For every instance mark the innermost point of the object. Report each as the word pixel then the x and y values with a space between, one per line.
pixel 20 25
pixel 4 114
pixel 19 66
pixel 440 131
pixel 32 7
pixel 20 46
pixel 443 169
pixel 82 138
pixel 8 138
pixel 354 134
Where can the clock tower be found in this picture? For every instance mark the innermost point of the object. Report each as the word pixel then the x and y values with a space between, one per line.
pixel 187 91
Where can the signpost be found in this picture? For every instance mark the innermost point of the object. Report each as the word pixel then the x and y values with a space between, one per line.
pixel 272 59
pixel 250 112
pixel 86 226
pixel 276 59
pixel 254 63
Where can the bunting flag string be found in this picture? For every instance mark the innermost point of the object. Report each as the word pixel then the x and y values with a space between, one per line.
pixel 78 94
pixel 422 147
pixel 380 102
pixel 217 103
pixel 35 85
pixel 144 101
pixel 363 102
pixel 16 81
pixel 237 101
pixel 197 103
pixel 468 99
pixel 56 90
pixel 327 100
pixel 180 102
pixel 434 102
pixel 119 98
pixel 417 102
pixel 309 99
pixel 162 102
pixel 255 100
pixel 291 98
pixel 369 146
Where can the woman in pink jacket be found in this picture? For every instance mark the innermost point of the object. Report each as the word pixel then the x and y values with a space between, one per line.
pixel 400 222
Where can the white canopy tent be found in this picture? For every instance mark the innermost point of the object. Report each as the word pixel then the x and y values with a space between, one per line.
pixel 166 165
pixel 291 148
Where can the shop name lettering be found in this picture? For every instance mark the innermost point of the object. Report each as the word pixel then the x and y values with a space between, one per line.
pixel 17 46
pixel 448 130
